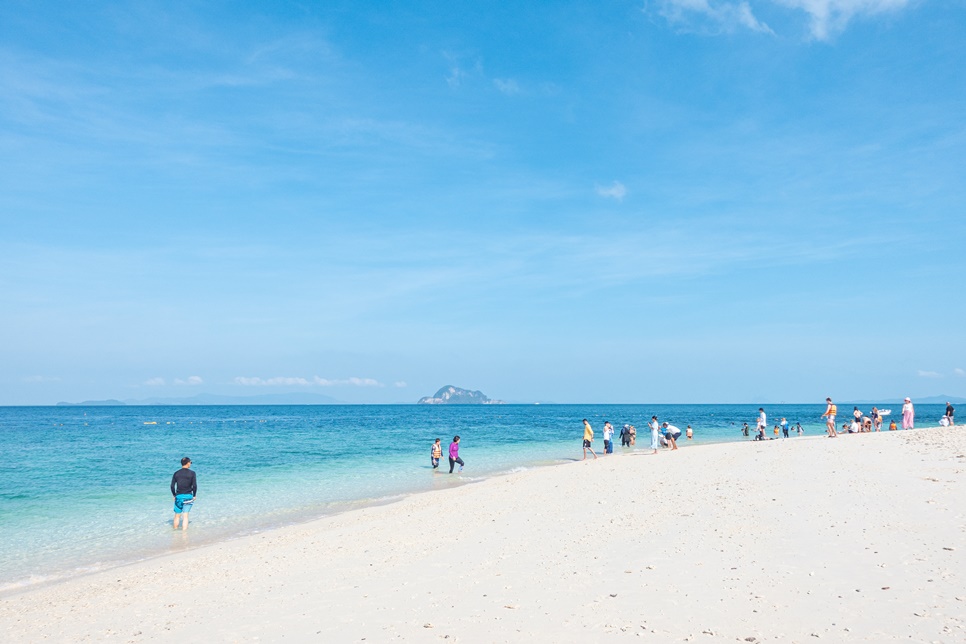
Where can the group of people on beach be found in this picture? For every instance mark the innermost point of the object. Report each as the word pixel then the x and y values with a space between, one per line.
pixel 861 423
pixel 661 434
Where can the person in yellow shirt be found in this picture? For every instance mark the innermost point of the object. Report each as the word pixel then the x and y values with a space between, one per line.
pixel 829 416
pixel 588 439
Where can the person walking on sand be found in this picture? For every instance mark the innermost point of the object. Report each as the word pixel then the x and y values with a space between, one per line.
pixel 435 453
pixel 908 414
pixel 454 455
pixel 588 440
pixel 608 438
pixel 184 489
pixel 654 431
pixel 829 416
pixel 949 413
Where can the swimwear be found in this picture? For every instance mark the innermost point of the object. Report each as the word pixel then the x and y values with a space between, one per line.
pixel 183 503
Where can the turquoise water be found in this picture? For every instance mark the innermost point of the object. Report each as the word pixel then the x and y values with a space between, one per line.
pixel 87 487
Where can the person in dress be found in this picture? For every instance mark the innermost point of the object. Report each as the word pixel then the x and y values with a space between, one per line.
pixel 654 432
pixel 908 414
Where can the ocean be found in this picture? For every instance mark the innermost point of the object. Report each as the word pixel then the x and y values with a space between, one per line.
pixel 87 488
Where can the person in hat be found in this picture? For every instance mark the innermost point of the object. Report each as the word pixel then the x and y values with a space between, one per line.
pixel 908 414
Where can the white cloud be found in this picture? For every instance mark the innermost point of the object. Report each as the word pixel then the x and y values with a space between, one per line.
pixel 154 382
pixel 507 85
pixel 356 382
pixel 190 381
pixel 399 384
pixel 271 382
pixel 615 191
pixel 929 374
pixel 707 16
pixel 959 372
pixel 829 17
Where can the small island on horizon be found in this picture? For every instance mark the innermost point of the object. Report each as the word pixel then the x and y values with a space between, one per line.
pixel 450 395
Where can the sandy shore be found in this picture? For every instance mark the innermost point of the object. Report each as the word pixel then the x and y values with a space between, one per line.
pixel 861 538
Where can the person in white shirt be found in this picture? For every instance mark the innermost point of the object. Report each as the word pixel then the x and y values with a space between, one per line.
pixel 762 423
pixel 608 438
pixel 654 430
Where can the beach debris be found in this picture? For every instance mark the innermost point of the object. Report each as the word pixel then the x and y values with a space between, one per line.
pixel 427 625
pixel 886 587
pixel 751 639
pixel 613 594
pixel 510 606
pixel 708 631
pixel 947 548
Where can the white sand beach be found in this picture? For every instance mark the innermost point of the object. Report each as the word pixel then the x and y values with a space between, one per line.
pixel 859 538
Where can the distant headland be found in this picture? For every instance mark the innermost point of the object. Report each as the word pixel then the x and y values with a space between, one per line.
pixel 450 395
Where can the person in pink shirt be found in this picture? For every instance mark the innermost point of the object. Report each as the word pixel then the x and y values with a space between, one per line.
pixel 454 454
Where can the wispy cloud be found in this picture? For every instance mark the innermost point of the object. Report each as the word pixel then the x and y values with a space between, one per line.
pixel 41 379
pixel 507 85
pixel 154 382
pixel 399 384
pixel 614 191
pixel 271 382
pixel 959 372
pixel 829 17
pixel 353 381
pixel 707 16
pixel 190 381
pixel 929 374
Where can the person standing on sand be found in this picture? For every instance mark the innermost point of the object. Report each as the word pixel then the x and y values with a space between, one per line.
pixel 949 413
pixel 608 438
pixel 435 453
pixel 908 414
pixel 588 440
pixel 184 488
pixel 762 422
pixel 829 416
pixel 654 429
pixel 454 454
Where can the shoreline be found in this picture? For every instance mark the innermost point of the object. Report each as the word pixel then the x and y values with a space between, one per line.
pixel 559 552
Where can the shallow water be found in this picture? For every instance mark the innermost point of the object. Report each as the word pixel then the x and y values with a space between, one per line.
pixel 87 487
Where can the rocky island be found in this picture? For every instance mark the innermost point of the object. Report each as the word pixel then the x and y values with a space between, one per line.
pixel 450 395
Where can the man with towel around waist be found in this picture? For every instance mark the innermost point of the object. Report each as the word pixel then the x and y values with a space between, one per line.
pixel 184 488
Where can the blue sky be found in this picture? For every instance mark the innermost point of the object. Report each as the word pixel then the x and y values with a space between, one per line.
pixel 672 201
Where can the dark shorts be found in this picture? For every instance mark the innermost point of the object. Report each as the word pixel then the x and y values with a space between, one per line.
pixel 586 443
pixel 435 461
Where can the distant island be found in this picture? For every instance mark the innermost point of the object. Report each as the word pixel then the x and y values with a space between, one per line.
pixel 450 395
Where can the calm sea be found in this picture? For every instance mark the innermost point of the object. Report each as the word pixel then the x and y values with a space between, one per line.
pixel 87 487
